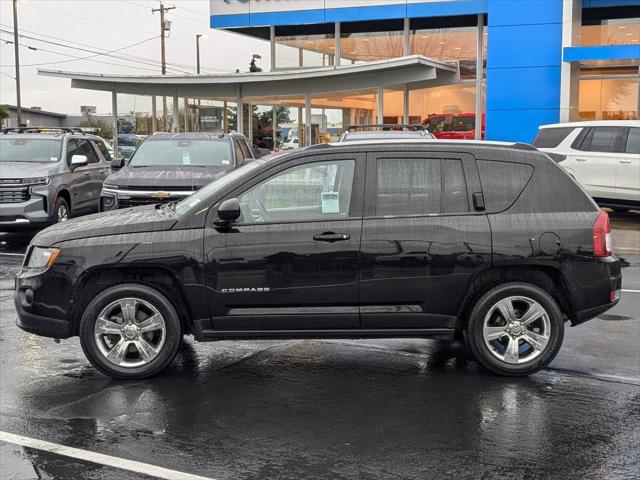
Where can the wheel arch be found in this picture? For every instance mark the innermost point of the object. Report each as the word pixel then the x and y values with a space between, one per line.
pixel 158 278
pixel 549 278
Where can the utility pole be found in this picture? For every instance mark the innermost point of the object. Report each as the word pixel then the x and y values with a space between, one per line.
pixel 162 10
pixel 17 62
pixel 198 37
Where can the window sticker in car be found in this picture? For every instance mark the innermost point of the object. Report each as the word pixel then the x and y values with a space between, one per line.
pixel 330 202
pixel 186 158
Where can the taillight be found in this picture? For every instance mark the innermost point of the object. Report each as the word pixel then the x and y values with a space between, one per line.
pixel 602 246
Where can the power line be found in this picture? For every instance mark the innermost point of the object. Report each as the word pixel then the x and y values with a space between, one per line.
pixel 74 57
pixel 98 52
pixel 144 60
pixel 77 58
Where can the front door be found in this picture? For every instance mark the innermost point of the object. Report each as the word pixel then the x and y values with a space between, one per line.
pixel 291 261
pixel 422 239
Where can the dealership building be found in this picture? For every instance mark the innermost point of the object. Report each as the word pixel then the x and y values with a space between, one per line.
pixel 453 65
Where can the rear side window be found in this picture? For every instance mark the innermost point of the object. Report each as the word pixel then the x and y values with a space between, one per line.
pixel 551 137
pixel 502 183
pixel 605 140
pixel 633 141
pixel 420 187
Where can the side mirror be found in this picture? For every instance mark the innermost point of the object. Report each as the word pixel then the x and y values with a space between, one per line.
pixel 78 161
pixel 117 163
pixel 228 212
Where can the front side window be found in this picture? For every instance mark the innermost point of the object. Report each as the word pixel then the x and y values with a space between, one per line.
pixel 85 148
pixel 183 152
pixel 72 149
pixel 104 150
pixel 310 192
pixel 16 149
pixel 420 187
pixel 605 140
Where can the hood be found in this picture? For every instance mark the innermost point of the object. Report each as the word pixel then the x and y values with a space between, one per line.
pixel 165 178
pixel 129 220
pixel 28 169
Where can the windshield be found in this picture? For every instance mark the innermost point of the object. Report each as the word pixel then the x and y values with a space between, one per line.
pixel 203 153
pixel 30 149
pixel 128 141
pixel 183 206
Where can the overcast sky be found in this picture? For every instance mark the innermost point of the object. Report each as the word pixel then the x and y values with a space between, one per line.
pixel 107 25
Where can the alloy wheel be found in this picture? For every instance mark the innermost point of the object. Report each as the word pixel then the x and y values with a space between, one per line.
pixel 130 332
pixel 63 213
pixel 516 330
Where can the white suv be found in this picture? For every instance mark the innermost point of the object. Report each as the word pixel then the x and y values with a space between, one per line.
pixel 604 156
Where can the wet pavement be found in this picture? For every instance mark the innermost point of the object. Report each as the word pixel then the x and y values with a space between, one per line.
pixel 378 409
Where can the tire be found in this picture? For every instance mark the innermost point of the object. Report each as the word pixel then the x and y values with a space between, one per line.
pixel 59 207
pixel 513 348
pixel 130 331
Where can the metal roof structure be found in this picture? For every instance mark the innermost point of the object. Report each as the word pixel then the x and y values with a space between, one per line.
pixel 414 70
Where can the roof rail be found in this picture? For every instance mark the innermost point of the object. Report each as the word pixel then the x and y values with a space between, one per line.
pixel 319 146
pixel 56 130
pixel 524 146
pixel 387 126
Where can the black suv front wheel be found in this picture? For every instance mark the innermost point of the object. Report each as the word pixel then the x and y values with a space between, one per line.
pixel 130 331
pixel 515 329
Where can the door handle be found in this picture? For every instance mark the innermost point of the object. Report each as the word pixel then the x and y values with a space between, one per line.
pixel 332 237
pixel 626 162
pixel 86 174
pixel 581 159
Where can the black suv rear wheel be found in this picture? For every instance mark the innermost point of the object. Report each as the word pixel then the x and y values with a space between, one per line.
pixel 130 331
pixel 515 329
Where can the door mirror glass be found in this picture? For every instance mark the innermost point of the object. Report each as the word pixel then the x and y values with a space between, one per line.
pixel 117 163
pixel 78 161
pixel 228 212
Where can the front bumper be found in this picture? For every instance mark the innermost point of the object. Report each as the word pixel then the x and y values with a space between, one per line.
pixel 40 299
pixel 24 215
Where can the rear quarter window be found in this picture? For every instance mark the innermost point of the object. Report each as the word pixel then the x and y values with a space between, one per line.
pixel 502 183
pixel 551 137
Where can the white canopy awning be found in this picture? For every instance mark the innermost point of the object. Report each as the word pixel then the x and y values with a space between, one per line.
pixel 415 71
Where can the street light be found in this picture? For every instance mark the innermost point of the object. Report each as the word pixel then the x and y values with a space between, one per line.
pixel 198 37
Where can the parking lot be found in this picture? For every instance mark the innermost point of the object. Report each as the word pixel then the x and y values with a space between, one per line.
pixel 327 409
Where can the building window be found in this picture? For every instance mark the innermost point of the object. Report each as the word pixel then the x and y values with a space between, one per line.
pixel 610 26
pixel 608 98
pixel 305 45
pixel 371 41
pixel 444 40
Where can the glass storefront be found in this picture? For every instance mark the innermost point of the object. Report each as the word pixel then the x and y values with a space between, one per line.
pixel 608 98
pixel 452 43
pixel 294 51
pixel 371 41
pixel 613 31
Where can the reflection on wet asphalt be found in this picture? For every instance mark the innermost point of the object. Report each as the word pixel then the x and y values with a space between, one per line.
pixel 331 409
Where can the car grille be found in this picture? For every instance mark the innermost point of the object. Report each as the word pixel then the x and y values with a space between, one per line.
pixel 14 195
pixel 135 201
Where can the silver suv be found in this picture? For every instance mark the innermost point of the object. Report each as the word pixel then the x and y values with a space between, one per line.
pixel 49 175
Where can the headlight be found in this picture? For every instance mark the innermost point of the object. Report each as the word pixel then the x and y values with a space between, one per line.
pixel 108 186
pixel 35 181
pixel 42 257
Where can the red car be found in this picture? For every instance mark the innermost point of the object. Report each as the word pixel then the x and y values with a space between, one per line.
pixel 454 126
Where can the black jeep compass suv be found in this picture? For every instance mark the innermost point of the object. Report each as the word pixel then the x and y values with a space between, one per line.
pixel 410 238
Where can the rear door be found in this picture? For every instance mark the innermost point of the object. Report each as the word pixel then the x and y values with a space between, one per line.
pixel 422 240
pixel 596 158
pixel 628 168
pixel 291 261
